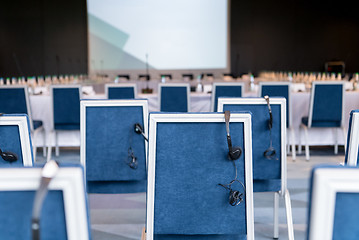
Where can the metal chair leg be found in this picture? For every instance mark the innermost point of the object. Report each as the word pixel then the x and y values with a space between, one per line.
pixel 293 144
pixel 275 216
pixel 300 141
pixel 307 157
pixel 288 208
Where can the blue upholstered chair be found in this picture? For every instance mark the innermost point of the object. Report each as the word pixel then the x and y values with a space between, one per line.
pixel 15 138
pixel 121 91
pixel 326 110
pixel 269 172
pixel 174 97
pixel 333 203
pixel 109 145
pixel 225 89
pixel 187 162
pixel 15 100
pixel 351 153
pixel 65 111
pixel 281 89
pixel 63 213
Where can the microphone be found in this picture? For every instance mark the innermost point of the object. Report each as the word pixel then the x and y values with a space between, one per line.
pixel 48 172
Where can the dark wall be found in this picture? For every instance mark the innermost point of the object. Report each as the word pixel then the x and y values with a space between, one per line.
pixel 293 35
pixel 42 37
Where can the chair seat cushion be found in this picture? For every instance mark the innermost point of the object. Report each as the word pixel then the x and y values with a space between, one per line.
pixel 37 123
pixel 321 123
pixel 116 186
pixel 200 237
pixel 272 185
pixel 64 126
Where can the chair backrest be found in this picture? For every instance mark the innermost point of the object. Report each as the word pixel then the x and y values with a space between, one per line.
pixel 64 213
pixel 326 104
pixel 15 138
pixel 269 174
pixel 15 100
pixel 278 89
pixel 187 162
pixel 333 203
pixel 66 106
pixel 121 91
pixel 351 153
pixel 174 97
pixel 225 89
pixel 108 140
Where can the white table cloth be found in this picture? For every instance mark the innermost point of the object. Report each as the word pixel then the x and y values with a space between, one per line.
pixel 200 102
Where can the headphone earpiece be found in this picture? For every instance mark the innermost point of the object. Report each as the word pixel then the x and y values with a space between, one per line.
pixel 234 153
pixel 8 156
pixel 139 130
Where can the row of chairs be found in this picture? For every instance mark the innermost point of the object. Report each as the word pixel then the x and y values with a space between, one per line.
pixel 176 163
pixel 324 111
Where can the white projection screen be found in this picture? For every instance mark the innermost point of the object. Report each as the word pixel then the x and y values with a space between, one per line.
pixel 175 36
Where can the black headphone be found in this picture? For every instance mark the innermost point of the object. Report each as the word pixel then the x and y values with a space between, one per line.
pixel 139 130
pixel 131 158
pixel 48 172
pixel 270 152
pixel 8 156
pixel 234 153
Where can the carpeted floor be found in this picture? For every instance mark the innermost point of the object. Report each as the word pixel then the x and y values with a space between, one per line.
pixel 122 216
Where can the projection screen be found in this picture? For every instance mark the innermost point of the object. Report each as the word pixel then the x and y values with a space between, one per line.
pixel 162 35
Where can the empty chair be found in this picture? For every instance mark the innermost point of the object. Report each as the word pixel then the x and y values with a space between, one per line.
pixel 174 97
pixel 225 89
pixel 114 145
pixel 48 202
pixel 65 111
pixel 333 203
pixel 269 149
pixel 199 176
pixel 325 111
pixel 351 153
pixel 121 91
pixel 15 141
pixel 281 89
pixel 15 99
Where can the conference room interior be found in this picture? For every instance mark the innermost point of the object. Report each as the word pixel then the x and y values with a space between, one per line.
pixel 193 126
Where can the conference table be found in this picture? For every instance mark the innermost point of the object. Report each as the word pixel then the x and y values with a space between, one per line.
pixel 201 102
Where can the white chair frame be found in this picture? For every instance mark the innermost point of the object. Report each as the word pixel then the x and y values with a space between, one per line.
pixel 284 193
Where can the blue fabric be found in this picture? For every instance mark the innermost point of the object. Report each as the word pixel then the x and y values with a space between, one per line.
pixel 327 105
pixel 226 91
pixel 310 200
pixel 174 99
pixel 109 134
pixel 346 216
pixel 16 211
pixel 277 91
pixel 37 124
pixel 263 168
pixel 191 160
pixel 116 186
pixel 121 93
pixel 10 142
pixel 13 100
pixel 200 237
pixel 66 105
pixel 321 123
